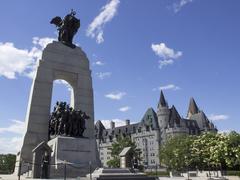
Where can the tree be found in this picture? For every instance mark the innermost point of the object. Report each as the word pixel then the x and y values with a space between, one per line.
pixel 207 151
pixel 7 163
pixel 118 146
pixel 175 153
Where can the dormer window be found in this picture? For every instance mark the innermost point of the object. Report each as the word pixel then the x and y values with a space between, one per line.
pixel 134 130
pixel 139 129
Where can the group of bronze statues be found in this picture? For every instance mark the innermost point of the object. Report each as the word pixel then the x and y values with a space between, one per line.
pixel 66 121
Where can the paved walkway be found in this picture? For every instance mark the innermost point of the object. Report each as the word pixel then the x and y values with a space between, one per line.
pixel 12 177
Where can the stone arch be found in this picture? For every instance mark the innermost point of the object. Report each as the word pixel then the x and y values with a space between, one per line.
pixel 58 62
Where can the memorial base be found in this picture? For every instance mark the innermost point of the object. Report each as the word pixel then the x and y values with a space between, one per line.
pixel 72 156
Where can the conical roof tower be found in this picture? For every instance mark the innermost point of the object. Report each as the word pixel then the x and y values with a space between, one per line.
pixel 162 102
pixel 193 108
pixel 175 118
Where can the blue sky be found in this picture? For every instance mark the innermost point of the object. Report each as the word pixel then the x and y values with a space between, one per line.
pixel 188 48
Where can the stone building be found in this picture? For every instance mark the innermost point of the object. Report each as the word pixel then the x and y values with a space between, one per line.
pixel 153 130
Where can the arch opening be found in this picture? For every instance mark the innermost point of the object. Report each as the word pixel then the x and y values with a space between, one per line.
pixel 62 91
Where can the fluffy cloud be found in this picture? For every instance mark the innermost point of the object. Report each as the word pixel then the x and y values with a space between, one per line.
pixel 168 87
pixel 124 109
pixel 166 54
pixel 103 75
pixel 218 117
pixel 165 62
pixel 12 144
pixel 115 95
pixel 179 5
pixel 98 63
pixel 42 42
pixel 65 83
pixel 16 127
pixel 95 29
pixel 15 61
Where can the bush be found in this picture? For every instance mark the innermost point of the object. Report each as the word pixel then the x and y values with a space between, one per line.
pixel 232 173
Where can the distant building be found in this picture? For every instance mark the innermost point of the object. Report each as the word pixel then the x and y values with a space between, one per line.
pixel 153 130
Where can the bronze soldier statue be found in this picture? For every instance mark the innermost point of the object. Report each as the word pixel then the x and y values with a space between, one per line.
pixel 65 121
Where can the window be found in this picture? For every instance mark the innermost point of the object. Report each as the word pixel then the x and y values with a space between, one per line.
pixel 134 130
pixel 139 129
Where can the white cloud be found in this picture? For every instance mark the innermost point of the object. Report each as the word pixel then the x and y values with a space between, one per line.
pixel 166 54
pixel 100 39
pixel 16 127
pixel 115 95
pixel 163 51
pixel 118 122
pixel 95 29
pixel 15 61
pixel 124 109
pixel 42 42
pixel 167 87
pixel 103 75
pixel 10 145
pixel 179 5
pixel 225 131
pixel 218 117
pixel 65 83
pixel 165 62
pixel 98 63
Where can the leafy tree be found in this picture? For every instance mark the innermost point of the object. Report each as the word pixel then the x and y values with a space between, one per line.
pixel 7 163
pixel 118 146
pixel 207 151
pixel 175 153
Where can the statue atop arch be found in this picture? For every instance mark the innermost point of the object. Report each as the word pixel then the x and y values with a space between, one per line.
pixel 67 28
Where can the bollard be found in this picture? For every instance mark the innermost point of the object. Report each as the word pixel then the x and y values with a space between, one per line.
pixel 28 169
pixel 19 170
pixel 156 171
pixel 90 169
pixel 65 170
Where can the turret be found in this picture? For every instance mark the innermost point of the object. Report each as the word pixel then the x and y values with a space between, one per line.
pixel 175 118
pixel 163 112
pixel 193 108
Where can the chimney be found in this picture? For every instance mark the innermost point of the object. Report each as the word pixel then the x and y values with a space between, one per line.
pixel 112 125
pixel 127 122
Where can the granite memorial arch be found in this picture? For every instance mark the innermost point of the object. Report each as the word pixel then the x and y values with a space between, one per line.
pixel 58 62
